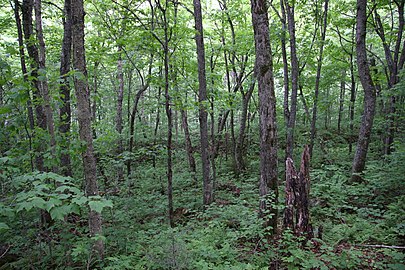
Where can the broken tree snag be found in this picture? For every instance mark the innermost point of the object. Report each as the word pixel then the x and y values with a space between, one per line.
pixel 290 182
pixel 297 185
pixel 303 226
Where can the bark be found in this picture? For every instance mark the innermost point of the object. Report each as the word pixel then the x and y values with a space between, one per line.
pixel 240 145
pixel 294 79
pixel 25 75
pixel 341 99
pixel 286 80
pixel 65 114
pixel 93 102
pixel 189 146
pixel 267 112
pixel 133 113
pixel 359 160
pixel 27 8
pixel 296 214
pixel 290 182
pixel 212 120
pixel 392 57
pixel 118 121
pixel 202 99
pixel 84 119
pixel 352 102
pixel 303 226
pixel 318 78
pixel 169 113
pixel 43 83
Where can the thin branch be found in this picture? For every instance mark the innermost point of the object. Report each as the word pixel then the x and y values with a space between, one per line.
pixel 55 5
pixel 381 246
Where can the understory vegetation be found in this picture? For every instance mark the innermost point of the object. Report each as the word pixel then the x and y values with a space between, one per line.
pixel 348 218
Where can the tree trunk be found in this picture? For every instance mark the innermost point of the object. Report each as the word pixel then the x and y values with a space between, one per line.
pixel 25 75
pixel 296 214
pixel 286 80
pixel 290 182
pixel 118 121
pixel 189 146
pixel 267 111
pixel 43 83
pixel 352 103
pixel 84 119
pixel 359 160
pixel 294 80
pixel 202 98
pixel 138 95
pixel 318 79
pixel 27 8
pixel 64 89
pixel 240 145
pixel 303 226
pixel 392 57
pixel 341 99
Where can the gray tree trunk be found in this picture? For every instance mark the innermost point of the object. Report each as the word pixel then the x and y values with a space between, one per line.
pixel 267 111
pixel 27 8
pixel 118 120
pixel 30 111
pixel 64 89
pixel 43 83
pixel 318 79
pixel 84 119
pixel 294 79
pixel 359 160
pixel 202 99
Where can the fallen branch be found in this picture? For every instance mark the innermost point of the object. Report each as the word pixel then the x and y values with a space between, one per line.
pixel 380 246
pixel 4 253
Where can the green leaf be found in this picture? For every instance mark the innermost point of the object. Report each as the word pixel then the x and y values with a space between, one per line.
pixel 99 205
pixel 4 227
pixel 24 205
pixel 38 202
pixel 79 200
pixel 52 203
pixel 58 213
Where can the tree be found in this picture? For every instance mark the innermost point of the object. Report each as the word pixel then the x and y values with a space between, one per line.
pixel 395 58
pixel 318 77
pixel 84 119
pixel 32 49
pixel 202 99
pixel 267 112
pixel 64 87
pixel 290 10
pixel 359 160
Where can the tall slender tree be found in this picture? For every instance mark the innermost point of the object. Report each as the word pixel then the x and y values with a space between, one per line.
pixel 32 49
pixel 64 88
pixel 84 119
pixel 267 112
pixel 290 10
pixel 202 99
pixel 318 77
pixel 359 160
pixel 43 83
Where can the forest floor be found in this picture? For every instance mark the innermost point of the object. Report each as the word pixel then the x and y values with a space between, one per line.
pixel 351 221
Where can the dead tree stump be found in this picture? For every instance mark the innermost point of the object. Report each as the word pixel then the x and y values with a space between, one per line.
pixel 296 214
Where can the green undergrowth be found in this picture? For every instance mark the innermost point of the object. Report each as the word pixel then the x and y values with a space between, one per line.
pixel 347 218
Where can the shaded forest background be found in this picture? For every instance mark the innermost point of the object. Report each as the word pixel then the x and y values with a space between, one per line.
pixel 163 134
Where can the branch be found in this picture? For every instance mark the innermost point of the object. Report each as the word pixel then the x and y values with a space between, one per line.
pixel 53 4
pixel 140 21
pixel 4 253
pixel 381 246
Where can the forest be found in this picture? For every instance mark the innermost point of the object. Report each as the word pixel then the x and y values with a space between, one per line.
pixel 204 134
